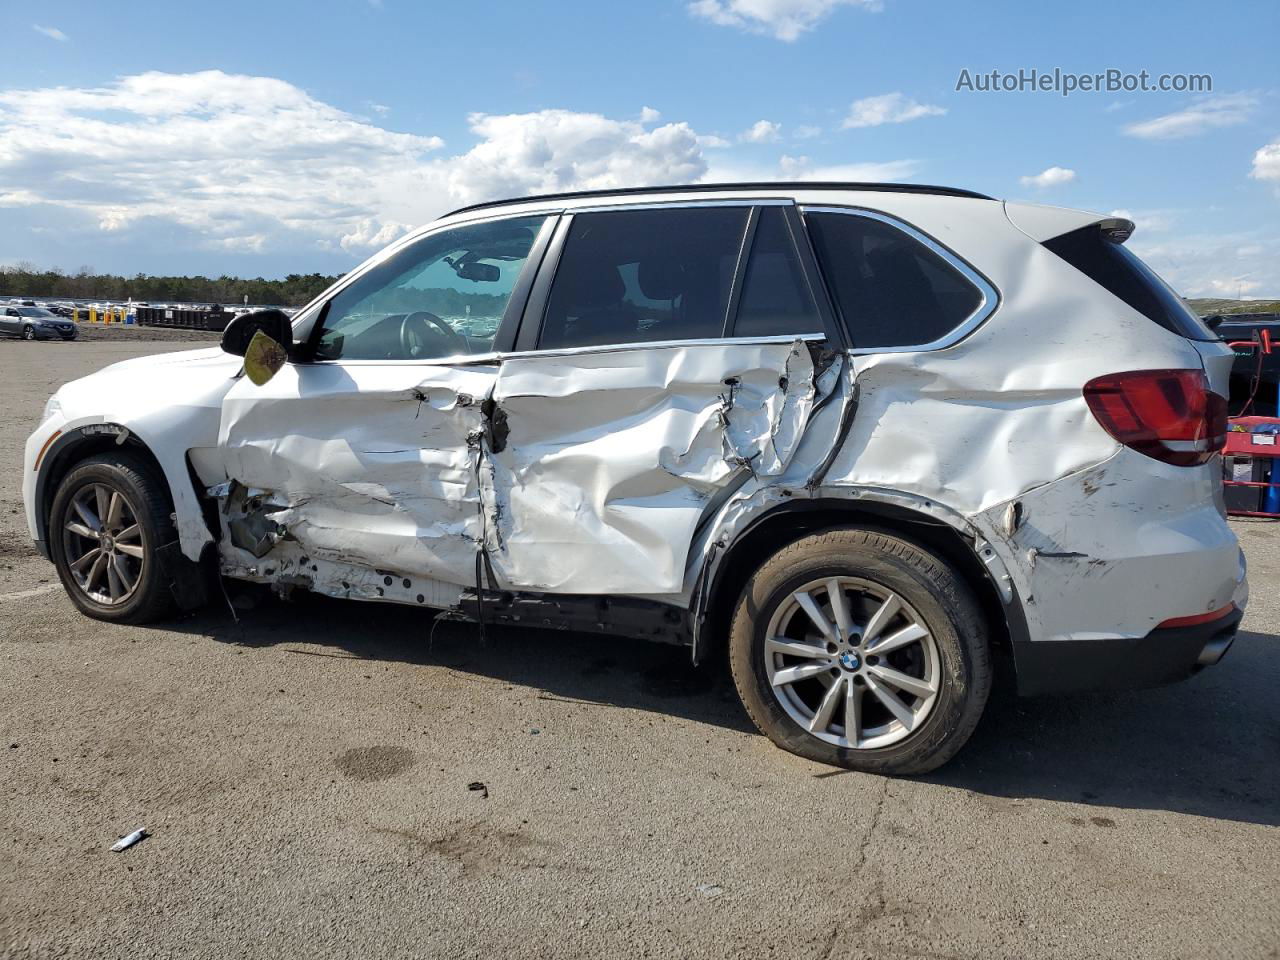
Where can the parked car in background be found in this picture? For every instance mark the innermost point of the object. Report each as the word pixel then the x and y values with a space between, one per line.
pixel 867 437
pixel 36 323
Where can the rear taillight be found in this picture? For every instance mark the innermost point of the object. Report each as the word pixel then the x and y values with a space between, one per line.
pixel 1170 415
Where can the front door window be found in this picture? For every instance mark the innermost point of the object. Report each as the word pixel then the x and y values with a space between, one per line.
pixel 442 296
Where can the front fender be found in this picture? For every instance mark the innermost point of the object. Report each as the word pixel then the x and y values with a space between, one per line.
pixel 47 461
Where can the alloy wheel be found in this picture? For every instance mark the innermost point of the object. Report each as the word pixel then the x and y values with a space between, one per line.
pixel 103 545
pixel 852 662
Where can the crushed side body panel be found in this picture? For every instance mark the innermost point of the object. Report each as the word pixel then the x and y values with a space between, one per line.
pixel 379 474
pixel 613 457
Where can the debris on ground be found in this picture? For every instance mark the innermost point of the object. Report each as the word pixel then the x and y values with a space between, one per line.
pixel 710 890
pixel 478 786
pixel 124 843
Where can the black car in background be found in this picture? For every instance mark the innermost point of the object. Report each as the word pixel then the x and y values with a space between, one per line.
pixel 1255 377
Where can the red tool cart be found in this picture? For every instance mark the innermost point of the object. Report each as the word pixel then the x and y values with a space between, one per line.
pixel 1251 479
pixel 1251 467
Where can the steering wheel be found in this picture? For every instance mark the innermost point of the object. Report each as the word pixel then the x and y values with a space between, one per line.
pixel 415 332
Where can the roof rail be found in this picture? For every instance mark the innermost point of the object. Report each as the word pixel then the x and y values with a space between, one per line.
pixel 788 185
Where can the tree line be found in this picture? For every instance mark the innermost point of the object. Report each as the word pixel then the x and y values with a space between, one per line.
pixel 27 280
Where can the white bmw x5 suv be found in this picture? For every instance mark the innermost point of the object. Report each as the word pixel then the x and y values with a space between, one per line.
pixel 870 437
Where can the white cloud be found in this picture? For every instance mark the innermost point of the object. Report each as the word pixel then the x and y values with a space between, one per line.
pixel 762 131
pixel 709 141
pixel 649 115
pixel 1235 288
pixel 53 33
pixel 888 108
pixel 1148 221
pixel 227 156
pixel 381 109
pixel 1215 265
pixel 371 232
pixel 256 164
pixel 783 19
pixel 556 150
pixel 1203 115
pixel 1052 177
pixel 807 131
pixel 800 168
pixel 1266 162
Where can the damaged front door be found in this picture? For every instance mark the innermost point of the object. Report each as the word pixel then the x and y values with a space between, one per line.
pixel 353 472
pixel 675 361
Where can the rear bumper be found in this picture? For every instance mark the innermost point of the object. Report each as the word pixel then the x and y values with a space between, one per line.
pixel 1165 655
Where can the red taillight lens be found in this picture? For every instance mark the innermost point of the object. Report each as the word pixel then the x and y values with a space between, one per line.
pixel 1170 415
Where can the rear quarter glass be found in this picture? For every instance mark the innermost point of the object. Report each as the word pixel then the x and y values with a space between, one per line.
pixel 1122 273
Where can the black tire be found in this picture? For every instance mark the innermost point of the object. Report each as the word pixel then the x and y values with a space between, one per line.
pixel 28 332
pixel 939 597
pixel 147 496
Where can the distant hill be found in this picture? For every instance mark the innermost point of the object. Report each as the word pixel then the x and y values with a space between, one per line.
pixel 1207 307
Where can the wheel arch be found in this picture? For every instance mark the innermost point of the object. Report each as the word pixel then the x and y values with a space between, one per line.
pixel 80 443
pixel 729 569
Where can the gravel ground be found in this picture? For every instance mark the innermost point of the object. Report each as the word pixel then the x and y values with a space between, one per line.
pixel 133 334
pixel 304 775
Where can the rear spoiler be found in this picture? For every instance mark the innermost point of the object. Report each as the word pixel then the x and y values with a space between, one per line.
pixel 1042 223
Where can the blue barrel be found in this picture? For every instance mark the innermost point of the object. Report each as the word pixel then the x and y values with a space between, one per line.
pixel 1271 495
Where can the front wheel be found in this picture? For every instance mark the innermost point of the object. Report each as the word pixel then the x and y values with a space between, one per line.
pixel 859 649
pixel 109 519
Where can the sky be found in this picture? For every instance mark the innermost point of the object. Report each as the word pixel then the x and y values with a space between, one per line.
pixel 277 137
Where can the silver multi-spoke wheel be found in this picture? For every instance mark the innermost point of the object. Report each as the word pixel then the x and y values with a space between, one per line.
pixel 852 662
pixel 103 545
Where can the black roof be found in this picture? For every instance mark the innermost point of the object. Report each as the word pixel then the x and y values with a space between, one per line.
pixel 787 185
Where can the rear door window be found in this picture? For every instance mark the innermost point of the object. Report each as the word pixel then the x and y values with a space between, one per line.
pixel 1119 270
pixel 642 276
pixel 776 299
pixel 891 289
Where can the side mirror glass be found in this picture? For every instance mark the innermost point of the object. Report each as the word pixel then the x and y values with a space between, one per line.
pixel 265 340
pixel 271 323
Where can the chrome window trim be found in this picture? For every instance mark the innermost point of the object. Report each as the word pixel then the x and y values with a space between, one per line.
pixel 984 310
pixel 497 358
pixel 665 345
pixel 456 360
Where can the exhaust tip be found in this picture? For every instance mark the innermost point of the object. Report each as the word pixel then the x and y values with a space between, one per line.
pixel 1215 649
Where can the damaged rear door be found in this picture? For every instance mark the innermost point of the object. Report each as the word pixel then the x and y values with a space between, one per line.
pixel 667 360
pixel 353 471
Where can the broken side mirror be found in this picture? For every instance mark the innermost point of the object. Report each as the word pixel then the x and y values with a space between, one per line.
pixel 273 323
pixel 264 338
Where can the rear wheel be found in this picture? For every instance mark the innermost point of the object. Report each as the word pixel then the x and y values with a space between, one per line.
pixel 28 332
pixel 856 648
pixel 109 519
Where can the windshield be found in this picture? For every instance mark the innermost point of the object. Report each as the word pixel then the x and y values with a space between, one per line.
pixel 37 312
